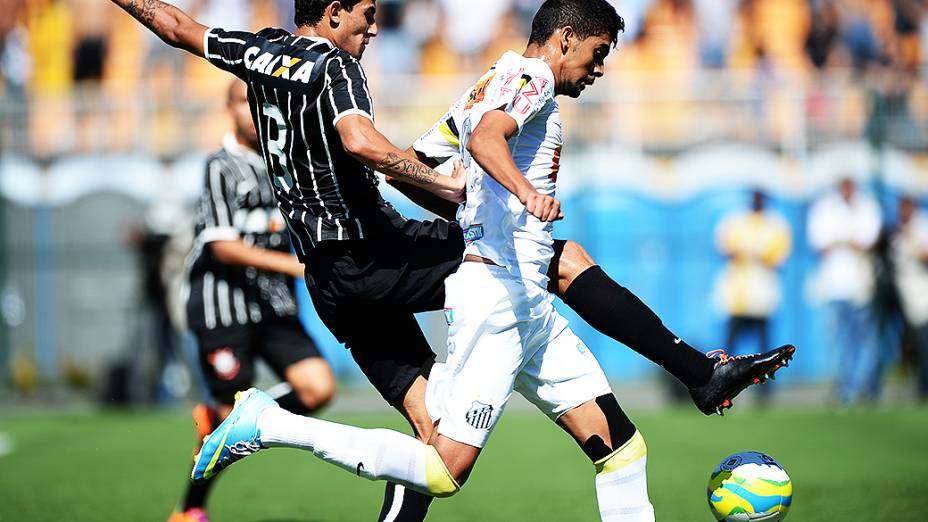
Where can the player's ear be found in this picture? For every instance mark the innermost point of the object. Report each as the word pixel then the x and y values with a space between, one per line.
pixel 566 37
pixel 335 10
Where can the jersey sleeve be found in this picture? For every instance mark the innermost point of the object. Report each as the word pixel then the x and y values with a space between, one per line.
pixel 218 203
pixel 521 93
pixel 226 49
pixel 442 141
pixel 346 88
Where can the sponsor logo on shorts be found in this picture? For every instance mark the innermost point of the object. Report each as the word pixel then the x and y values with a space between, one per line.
pixel 224 363
pixel 449 316
pixel 473 233
pixel 581 347
pixel 479 415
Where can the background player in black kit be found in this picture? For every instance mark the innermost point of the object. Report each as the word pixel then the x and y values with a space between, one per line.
pixel 368 268
pixel 241 304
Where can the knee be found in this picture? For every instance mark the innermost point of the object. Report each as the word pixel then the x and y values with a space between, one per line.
pixel 314 384
pixel 572 261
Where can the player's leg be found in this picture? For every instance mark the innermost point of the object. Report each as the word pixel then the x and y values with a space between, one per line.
pixel 376 454
pixel 257 422
pixel 616 312
pixel 619 455
pixel 481 371
pixel 314 384
pixel 435 252
pixel 566 383
pixel 292 354
pixel 226 357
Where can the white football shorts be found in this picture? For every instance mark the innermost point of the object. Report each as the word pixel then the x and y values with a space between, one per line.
pixel 504 334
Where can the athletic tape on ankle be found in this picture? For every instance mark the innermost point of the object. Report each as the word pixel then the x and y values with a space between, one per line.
pixel 630 452
pixel 438 480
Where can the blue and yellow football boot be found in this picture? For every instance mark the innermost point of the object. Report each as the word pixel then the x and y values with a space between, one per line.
pixel 235 438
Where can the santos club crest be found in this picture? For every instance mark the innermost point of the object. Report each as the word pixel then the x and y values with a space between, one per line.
pixel 479 415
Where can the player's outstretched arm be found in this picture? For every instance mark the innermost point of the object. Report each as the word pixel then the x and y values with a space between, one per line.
pixel 237 252
pixel 423 198
pixel 171 24
pixel 369 146
pixel 489 147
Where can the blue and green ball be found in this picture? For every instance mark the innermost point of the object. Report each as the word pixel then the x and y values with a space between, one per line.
pixel 748 487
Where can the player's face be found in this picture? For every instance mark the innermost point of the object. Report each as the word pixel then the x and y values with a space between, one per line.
pixel 357 27
pixel 584 63
pixel 241 114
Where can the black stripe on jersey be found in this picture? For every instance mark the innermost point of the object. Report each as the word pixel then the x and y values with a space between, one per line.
pixel 453 127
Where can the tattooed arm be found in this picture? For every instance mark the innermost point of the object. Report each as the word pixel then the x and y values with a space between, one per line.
pixel 168 22
pixel 361 140
pixel 422 197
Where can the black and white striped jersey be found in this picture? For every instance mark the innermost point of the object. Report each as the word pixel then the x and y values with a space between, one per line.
pixel 298 89
pixel 237 202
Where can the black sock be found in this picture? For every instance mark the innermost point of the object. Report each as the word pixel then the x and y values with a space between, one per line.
pixel 412 507
pixel 196 494
pixel 621 429
pixel 292 403
pixel 615 311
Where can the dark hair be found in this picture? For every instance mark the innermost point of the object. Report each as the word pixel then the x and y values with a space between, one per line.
pixel 586 17
pixel 309 12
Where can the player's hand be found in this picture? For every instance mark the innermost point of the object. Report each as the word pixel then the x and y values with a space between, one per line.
pixel 296 269
pixel 459 182
pixel 545 208
pixel 451 188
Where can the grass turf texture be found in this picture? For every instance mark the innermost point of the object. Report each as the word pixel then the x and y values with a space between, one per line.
pixel 858 465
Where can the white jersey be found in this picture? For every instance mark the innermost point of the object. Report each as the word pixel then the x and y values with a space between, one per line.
pixel 496 224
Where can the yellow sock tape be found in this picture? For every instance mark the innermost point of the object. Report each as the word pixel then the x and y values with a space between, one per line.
pixel 630 452
pixel 437 478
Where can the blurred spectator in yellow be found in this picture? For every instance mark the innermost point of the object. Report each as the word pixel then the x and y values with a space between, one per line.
pixel 50 32
pixel 843 228
pixel 909 251
pixel 748 289
pixel 773 29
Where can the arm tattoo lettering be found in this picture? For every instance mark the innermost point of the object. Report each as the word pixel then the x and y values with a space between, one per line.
pixel 145 10
pixel 396 165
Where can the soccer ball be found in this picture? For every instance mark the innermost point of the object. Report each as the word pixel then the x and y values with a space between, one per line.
pixel 749 486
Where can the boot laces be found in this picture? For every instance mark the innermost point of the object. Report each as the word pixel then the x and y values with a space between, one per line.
pixel 723 357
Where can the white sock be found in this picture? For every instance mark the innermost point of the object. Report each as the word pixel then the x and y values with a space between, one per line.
pixel 375 454
pixel 623 494
pixel 622 484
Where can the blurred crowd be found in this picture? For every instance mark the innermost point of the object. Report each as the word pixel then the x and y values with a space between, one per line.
pixel 871 278
pixel 85 60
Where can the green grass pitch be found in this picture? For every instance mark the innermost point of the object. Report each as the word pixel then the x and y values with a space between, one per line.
pixel 861 465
